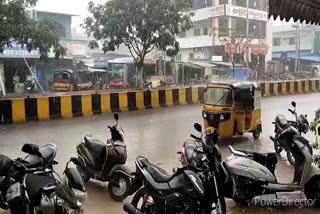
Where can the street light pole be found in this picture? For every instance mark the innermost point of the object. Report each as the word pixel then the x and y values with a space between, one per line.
pixel 247 34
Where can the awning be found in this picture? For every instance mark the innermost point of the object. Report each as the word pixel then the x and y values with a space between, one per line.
pixel 203 64
pixel 311 58
pixel 305 10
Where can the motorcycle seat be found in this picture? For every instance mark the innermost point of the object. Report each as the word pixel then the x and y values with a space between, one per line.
pixel 159 175
pixel 281 120
pixel 96 147
pixel 48 153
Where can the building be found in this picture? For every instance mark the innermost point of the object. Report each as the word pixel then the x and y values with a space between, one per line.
pixel 203 43
pixel 286 39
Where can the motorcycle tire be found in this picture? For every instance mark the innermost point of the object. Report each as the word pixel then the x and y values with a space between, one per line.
pixel 137 197
pixel 277 147
pixel 290 158
pixel 119 187
pixel 312 191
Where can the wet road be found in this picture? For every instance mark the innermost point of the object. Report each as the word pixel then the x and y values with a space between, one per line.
pixel 156 134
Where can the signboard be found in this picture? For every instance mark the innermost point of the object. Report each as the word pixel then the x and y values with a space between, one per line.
pixel 217 11
pixel 241 12
pixel 217 59
pixel 100 63
pixel 231 48
pixel 259 49
pixel 17 52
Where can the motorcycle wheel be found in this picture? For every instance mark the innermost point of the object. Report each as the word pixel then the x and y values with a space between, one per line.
pixel 277 147
pixel 119 187
pixel 290 158
pixel 312 191
pixel 83 174
pixel 140 194
pixel 243 201
pixel 256 134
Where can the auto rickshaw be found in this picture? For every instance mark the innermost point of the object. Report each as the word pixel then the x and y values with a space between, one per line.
pixel 63 80
pixel 233 108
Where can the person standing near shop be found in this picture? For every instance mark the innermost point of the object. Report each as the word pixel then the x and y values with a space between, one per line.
pixel 16 81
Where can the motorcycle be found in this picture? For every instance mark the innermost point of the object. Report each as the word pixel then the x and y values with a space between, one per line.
pixel 187 190
pixel 253 173
pixel 45 159
pixel 301 124
pixel 37 190
pixel 106 162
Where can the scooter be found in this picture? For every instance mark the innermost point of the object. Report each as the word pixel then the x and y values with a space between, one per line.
pixel 187 190
pixel 301 124
pixel 37 190
pixel 45 158
pixel 253 174
pixel 106 162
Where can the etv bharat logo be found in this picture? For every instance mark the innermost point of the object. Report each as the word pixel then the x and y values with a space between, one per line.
pixel 284 202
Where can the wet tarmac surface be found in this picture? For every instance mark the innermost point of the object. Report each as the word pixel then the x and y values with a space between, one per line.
pixel 157 134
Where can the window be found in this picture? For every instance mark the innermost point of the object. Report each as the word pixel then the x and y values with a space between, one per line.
pixel 178 58
pixel 191 55
pixel 205 31
pixel 218 97
pixel 223 26
pixel 197 32
pixel 257 29
pixel 276 41
pixel 292 41
pixel 239 3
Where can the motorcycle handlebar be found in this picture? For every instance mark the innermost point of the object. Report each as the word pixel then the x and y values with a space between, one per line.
pixel 194 137
pixel 292 112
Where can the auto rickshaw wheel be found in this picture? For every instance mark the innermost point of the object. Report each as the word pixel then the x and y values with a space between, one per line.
pixel 256 133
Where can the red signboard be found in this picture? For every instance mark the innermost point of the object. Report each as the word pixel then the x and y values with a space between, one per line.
pixel 231 48
pixel 259 49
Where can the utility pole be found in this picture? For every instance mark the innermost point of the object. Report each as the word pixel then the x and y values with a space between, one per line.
pixel 297 59
pixel 247 34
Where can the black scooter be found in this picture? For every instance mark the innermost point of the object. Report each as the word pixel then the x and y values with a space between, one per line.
pixel 106 162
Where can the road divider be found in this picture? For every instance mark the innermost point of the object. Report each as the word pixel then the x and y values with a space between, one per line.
pixel 16 110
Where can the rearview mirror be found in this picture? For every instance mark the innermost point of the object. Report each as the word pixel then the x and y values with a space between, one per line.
pixel 293 103
pixel 31 149
pixel 198 127
pixel 116 116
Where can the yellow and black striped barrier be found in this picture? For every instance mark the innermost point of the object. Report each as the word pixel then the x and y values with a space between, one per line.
pixel 69 106
pixel 290 87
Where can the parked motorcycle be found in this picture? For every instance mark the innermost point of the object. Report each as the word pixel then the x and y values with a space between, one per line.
pixel 44 159
pixel 106 162
pixel 187 190
pixel 37 190
pixel 301 124
pixel 253 173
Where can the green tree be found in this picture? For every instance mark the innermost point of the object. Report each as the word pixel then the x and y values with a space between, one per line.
pixel 17 27
pixel 141 25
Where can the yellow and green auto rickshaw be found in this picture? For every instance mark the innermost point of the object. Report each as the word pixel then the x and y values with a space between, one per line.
pixel 233 108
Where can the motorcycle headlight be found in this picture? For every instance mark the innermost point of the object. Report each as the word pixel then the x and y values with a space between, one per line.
pixel 80 196
pixel 204 114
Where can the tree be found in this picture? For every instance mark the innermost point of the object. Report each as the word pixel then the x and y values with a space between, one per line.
pixel 17 27
pixel 235 42
pixel 141 25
